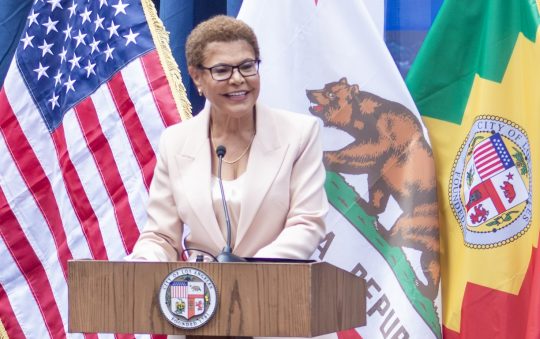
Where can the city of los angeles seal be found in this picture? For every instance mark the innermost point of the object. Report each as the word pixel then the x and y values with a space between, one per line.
pixel 490 184
pixel 188 298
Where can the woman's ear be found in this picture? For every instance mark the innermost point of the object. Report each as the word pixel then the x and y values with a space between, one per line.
pixel 195 74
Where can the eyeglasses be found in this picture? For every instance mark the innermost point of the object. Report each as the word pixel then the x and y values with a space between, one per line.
pixel 224 72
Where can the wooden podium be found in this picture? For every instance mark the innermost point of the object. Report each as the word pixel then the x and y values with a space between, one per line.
pixel 254 299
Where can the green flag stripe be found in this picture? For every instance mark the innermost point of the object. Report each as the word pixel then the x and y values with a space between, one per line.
pixel 480 42
pixel 343 198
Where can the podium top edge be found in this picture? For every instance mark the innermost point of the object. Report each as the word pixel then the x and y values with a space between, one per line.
pixel 291 262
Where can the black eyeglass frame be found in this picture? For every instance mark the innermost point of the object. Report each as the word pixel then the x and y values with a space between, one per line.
pixel 232 68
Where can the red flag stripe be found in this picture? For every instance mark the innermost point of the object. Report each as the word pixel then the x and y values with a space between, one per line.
pixel 533 325
pixel 32 219
pixel 78 197
pixel 137 85
pixel 487 159
pixel 161 91
pixel 128 168
pixel 484 151
pixel 94 187
pixel 486 144
pixel 31 267
pixel 9 321
pixel 25 308
pixel 349 334
pixel 104 159
pixel 142 149
pixel 38 137
pixel 492 171
pixel 492 193
pixel 34 177
pixel 516 314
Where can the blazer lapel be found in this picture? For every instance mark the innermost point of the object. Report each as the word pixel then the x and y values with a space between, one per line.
pixel 265 159
pixel 194 162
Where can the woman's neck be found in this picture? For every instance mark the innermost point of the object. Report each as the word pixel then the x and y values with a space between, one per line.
pixel 224 127
pixel 237 135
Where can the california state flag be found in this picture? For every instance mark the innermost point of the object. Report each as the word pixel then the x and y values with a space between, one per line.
pixel 326 58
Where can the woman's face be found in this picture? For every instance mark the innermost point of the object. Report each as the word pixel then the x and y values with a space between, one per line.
pixel 236 96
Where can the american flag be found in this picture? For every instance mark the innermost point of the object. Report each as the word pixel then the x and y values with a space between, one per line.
pixel 179 289
pixel 491 157
pixel 82 108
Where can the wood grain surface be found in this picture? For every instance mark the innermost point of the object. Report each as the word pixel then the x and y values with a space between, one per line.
pixel 254 299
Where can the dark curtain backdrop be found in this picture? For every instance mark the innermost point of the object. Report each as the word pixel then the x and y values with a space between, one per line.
pixel 179 17
pixel 406 24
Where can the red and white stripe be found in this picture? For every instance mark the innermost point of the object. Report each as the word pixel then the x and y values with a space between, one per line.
pixel 179 291
pixel 487 160
pixel 78 192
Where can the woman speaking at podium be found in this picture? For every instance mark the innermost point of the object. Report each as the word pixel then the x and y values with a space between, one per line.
pixel 269 160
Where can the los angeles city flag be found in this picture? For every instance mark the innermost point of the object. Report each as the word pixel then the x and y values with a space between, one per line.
pixel 476 81
pixel 326 58
pixel 85 99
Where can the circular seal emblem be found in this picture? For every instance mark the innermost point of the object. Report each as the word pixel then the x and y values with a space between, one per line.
pixel 188 298
pixel 490 184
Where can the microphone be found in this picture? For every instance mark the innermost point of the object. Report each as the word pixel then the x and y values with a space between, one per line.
pixel 226 254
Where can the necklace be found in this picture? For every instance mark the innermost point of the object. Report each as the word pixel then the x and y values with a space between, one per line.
pixel 241 155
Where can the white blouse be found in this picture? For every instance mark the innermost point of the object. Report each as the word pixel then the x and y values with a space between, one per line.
pixel 233 194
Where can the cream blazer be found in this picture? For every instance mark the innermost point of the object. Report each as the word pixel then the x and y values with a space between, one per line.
pixel 283 204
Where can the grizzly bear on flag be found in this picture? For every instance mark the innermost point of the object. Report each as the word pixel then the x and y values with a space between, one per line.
pixel 390 148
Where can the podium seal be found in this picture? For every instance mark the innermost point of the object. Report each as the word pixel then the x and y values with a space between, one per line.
pixel 188 298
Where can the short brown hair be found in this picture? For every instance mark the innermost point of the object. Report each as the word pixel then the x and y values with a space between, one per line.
pixel 220 28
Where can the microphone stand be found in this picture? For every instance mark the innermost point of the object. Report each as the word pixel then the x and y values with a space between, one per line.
pixel 226 254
